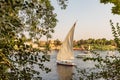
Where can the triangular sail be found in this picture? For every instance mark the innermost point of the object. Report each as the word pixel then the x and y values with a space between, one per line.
pixel 66 51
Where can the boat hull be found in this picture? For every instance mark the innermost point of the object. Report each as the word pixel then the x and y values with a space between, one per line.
pixel 65 63
pixel 84 55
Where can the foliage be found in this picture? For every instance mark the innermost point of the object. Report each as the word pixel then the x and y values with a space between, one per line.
pixel 36 17
pixel 105 68
pixel 57 42
pixel 96 44
pixel 116 5
pixel 24 65
pixel 116 33
pixel 63 3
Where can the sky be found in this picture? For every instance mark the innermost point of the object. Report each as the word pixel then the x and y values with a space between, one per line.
pixel 92 19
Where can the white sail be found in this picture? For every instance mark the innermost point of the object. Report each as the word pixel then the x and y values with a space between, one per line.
pixel 66 51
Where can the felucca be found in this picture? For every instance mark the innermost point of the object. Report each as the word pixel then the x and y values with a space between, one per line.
pixel 65 55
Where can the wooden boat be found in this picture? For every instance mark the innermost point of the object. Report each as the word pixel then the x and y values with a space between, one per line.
pixel 65 55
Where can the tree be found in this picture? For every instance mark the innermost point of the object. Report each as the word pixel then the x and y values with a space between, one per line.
pixel 116 33
pixel 57 42
pixel 106 68
pixel 116 8
pixel 17 16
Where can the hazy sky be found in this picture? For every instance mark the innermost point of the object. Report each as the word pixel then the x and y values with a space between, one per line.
pixel 92 19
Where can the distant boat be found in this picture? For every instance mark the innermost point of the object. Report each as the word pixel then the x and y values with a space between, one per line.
pixel 65 55
pixel 88 50
pixel 86 53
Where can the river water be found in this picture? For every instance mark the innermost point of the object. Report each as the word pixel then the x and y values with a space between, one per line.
pixel 59 72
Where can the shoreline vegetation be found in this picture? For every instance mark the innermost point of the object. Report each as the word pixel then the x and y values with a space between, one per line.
pixel 89 44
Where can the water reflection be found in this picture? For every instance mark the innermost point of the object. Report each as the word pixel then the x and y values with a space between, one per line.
pixel 65 72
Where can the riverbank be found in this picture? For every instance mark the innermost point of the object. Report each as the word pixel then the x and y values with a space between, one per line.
pixel 92 47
